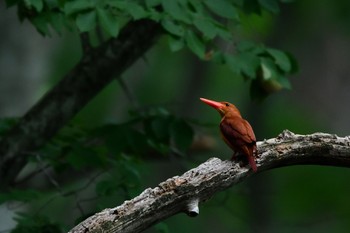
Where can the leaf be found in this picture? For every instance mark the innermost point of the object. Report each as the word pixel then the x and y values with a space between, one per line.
pixel 114 138
pixel 270 5
pixel 19 195
pixel 40 23
pixel 77 6
pixel 181 134
pixel 172 27
pixel 86 21
pixel 268 69
pixel 281 59
pixel 137 141
pixel 152 3
pixel 206 26
pixel 108 21
pixel 135 10
pixel 35 223
pixel 37 4
pixel 160 128
pixel 195 44
pixel 173 9
pixel 57 21
pixel 81 157
pixel 222 8
pixel 251 47
pixel 284 81
pixel 106 187
pixel 243 64
pixel 175 44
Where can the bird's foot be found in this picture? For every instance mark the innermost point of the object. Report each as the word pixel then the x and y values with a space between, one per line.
pixel 239 158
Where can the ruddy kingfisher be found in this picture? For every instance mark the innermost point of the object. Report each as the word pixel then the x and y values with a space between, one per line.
pixel 236 131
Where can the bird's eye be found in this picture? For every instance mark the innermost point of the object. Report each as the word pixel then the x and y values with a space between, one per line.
pixel 227 104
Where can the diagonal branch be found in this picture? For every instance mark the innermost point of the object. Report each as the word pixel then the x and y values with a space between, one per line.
pixel 96 69
pixel 183 193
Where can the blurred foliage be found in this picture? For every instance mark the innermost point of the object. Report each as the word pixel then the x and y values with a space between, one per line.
pixel 30 224
pixel 110 152
pixel 201 26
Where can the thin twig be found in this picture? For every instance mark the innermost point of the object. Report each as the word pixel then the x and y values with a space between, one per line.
pixel 49 176
pixel 128 93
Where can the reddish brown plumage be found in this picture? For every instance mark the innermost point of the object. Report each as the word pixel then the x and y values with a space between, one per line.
pixel 236 131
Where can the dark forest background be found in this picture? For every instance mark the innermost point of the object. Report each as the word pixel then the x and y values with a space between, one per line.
pixel 167 85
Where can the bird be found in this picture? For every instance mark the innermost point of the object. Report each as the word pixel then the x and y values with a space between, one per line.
pixel 237 133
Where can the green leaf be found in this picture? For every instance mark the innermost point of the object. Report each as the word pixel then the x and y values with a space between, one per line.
pixel 243 64
pixel 108 22
pixel 281 59
pixel 270 5
pixel 160 128
pixel 251 47
pixel 195 44
pixel 19 195
pixel 114 137
pixel 268 68
pixel 135 10
pixel 107 187
pixel 223 8
pixel 284 81
pixel 175 10
pixel 40 22
pixel 77 6
pixel 137 141
pixel 175 44
pixel 35 223
pixel 57 21
pixel 37 4
pixel 152 3
pixel 181 134
pixel 172 27
pixel 206 26
pixel 86 21
pixel 81 157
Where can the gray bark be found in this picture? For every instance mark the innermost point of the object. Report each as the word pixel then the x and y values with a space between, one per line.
pixel 184 193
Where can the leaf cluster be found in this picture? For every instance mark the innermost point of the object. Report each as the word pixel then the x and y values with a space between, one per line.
pixel 114 149
pixel 201 26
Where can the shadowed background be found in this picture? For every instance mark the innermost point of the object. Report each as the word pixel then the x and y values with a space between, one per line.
pixel 300 198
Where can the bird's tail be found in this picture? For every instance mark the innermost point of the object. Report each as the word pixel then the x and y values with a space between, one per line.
pixel 252 152
pixel 252 163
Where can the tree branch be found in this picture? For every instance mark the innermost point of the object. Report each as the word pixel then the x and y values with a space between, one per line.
pixel 96 69
pixel 183 193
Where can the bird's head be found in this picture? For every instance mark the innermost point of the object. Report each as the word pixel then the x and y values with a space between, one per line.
pixel 224 108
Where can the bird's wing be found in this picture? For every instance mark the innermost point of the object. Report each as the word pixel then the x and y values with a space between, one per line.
pixel 237 131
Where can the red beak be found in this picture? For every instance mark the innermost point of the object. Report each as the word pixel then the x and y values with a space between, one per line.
pixel 212 103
